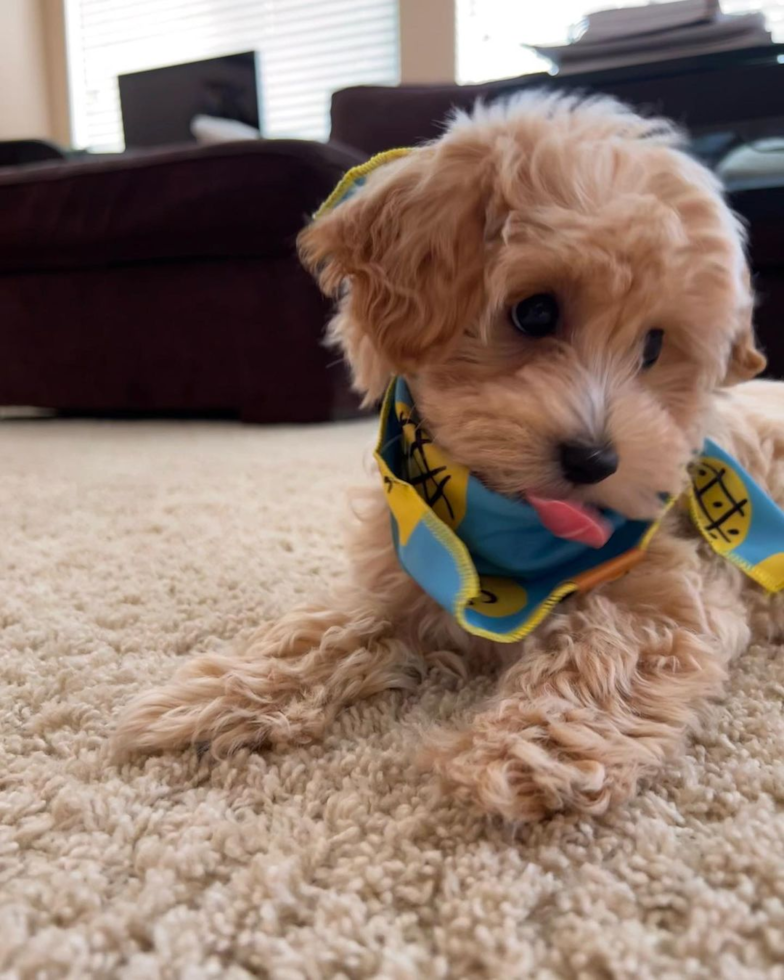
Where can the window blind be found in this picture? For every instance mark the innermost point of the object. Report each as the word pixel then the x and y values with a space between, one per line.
pixel 308 49
pixel 490 32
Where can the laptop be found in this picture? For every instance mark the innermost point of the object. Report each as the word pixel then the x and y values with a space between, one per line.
pixel 159 105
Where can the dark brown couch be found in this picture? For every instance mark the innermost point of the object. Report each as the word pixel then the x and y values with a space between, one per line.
pixel 168 282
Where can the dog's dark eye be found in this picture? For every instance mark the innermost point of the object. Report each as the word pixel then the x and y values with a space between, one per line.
pixel 536 316
pixel 652 348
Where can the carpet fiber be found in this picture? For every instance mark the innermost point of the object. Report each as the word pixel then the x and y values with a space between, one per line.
pixel 126 548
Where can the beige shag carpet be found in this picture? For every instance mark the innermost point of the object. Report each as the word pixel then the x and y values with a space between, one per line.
pixel 125 548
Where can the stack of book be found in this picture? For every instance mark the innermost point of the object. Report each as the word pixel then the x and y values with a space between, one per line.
pixel 655 32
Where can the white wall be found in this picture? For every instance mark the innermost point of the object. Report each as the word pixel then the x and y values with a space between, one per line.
pixel 24 87
pixel 56 66
pixel 427 41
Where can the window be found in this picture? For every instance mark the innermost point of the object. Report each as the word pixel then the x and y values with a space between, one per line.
pixel 773 10
pixel 308 49
pixel 490 32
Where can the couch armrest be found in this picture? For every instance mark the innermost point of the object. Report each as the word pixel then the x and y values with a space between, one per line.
pixel 20 153
pixel 376 117
pixel 714 91
pixel 238 199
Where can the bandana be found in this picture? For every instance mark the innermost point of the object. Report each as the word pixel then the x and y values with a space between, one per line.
pixel 491 562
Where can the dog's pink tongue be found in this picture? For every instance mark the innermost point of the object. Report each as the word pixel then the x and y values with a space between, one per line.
pixel 572 521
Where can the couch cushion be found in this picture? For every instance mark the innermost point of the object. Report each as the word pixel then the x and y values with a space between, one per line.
pixel 378 117
pixel 238 199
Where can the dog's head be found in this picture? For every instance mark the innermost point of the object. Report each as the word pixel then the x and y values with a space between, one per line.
pixel 563 288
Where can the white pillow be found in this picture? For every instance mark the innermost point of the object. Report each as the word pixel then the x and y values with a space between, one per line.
pixel 210 129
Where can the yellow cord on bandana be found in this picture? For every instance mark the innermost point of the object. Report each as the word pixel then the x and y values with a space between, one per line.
pixel 357 175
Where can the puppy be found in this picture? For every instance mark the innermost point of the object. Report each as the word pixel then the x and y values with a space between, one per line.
pixel 595 216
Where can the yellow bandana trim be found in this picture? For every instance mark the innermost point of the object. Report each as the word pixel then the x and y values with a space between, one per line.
pixel 356 174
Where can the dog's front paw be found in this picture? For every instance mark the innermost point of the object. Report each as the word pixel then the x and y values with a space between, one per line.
pixel 214 700
pixel 284 688
pixel 527 764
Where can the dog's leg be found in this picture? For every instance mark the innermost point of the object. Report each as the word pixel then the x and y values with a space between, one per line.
pixel 286 685
pixel 601 695
pixel 283 688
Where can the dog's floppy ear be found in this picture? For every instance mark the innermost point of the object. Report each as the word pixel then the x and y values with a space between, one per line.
pixel 746 361
pixel 411 244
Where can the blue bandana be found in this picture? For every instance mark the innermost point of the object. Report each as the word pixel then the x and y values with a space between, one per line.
pixel 488 559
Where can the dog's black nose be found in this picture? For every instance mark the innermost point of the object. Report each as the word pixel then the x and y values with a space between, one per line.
pixel 584 463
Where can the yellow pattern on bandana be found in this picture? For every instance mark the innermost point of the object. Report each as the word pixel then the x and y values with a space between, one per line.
pixel 736 517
